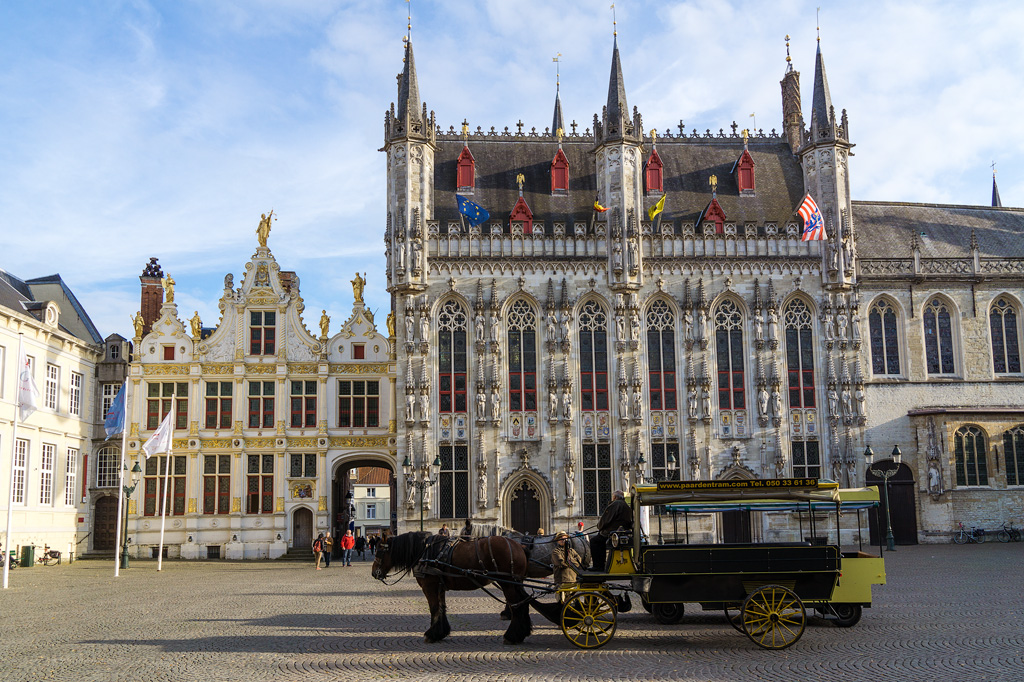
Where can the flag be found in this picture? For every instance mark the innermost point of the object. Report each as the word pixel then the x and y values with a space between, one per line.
pixel 474 212
pixel 814 226
pixel 598 207
pixel 28 394
pixel 114 420
pixel 160 441
pixel 657 208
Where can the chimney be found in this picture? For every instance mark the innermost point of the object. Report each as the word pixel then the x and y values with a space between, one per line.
pixel 152 294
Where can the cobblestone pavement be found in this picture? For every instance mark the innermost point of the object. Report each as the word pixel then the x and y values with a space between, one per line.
pixel 948 613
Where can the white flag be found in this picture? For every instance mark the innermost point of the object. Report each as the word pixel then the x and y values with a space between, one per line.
pixel 160 441
pixel 28 394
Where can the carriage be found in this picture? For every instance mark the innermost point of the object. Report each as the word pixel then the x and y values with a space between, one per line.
pixel 763 587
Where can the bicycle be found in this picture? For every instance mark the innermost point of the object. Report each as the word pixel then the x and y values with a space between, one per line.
pixel 976 535
pixel 1008 533
pixel 4 556
pixel 49 557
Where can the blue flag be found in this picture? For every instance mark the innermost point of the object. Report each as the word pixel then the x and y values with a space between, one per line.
pixel 475 213
pixel 114 421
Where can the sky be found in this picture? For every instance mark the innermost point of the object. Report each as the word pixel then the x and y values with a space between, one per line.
pixel 132 129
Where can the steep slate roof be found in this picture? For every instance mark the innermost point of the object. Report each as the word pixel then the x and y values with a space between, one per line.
pixel 688 165
pixel 25 295
pixel 885 229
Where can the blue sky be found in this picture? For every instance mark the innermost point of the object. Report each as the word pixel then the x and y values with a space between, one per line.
pixel 134 129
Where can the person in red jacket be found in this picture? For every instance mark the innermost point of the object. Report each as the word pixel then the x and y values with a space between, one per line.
pixel 347 543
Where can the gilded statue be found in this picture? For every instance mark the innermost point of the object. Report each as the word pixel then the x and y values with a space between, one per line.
pixel 263 231
pixel 325 324
pixel 391 324
pixel 168 283
pixel 140 324
pixel 357 287
pixel 197 326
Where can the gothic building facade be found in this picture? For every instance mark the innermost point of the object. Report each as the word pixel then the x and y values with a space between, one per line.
pixel 640 305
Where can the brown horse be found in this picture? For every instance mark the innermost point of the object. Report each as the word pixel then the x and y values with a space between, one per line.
pixel 440 564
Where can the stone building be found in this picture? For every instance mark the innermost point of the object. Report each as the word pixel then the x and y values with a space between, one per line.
pixel 269 416
pixel 640 305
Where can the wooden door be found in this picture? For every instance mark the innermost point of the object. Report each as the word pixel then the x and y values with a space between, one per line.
pixel 525 508
pixel 104 524
pixel 302 528
pixel 902 505
pixel 735 526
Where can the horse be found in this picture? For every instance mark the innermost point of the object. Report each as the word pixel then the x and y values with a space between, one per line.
pixel 538 548
pixel 440 564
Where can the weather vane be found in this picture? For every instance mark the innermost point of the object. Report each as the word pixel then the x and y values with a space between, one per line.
pixel 520 179
pixel 615 25
pixel 465 132
pixel 558 76
pixel 713 181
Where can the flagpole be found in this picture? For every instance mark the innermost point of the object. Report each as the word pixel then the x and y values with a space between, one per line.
pixel 120 493
pixel 167 478
pixel 14 445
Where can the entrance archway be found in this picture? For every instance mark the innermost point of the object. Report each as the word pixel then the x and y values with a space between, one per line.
pixel 104 524
pixel 902 505
pixel 372 506
pixel 302 528
pixel 525 507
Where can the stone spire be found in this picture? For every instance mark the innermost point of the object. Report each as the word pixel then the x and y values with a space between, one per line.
pixel 822 114
pixel 617 124
pixel 408 118
pixel 408 87
pixel 792 118
pixel 557 122
pixel 996 201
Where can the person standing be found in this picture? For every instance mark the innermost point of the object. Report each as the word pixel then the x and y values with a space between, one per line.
pixel 616 515
pixel 318 546
pixel 327 546
pixel 361 547
pixel 444 532
pixel 565 560
pixel 374 539
pixel 347 543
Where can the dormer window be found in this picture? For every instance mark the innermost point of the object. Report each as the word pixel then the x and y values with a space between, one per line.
pixel 744 171
pixel 560 173
pixel 465 172
pixel 713 214
pixel 521 213
pixel 653 174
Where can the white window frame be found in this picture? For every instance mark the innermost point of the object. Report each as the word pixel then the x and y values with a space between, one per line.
pixel 109 393
pixel 75 395
pixel 49 453
pixel 107 476
pixel 71 477
pixel 371 511
pixel 20 470
pixel 371 492
pixel 52 386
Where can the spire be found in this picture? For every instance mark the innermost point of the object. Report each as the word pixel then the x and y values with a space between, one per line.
pixel 995 191
pixel 792 118
pixel 822 114
pixel 616 115
pixel 408 87
pixel 557 123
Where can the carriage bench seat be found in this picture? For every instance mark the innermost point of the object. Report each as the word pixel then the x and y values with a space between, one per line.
pixel 595 578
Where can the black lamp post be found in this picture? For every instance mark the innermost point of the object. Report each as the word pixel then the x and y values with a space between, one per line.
pixel 426 480
pixel 885 475
pixel 135 473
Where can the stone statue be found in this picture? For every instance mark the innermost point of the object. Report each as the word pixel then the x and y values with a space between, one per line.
pixel 168 283
pixel 401 255
pixel 325 324
pixel 417 253
pixel 620 328
pixel 634 255
pixel 634 327
pixel 934 478
pixel 762 401
pixel 424 328
pixel 570 480
pixel 829 333
pixel 410 326
pixel 229 281
pixel 481 483
pixel 566 404
pixel 617 256
pixel 410 406
pixel 410 493
pixel 842 321
pixel 758 325
pixel 833 255
pixel 691 402
pixel 495 404
pixel 638 404
pixel 773 325
pixel 481 404
pixel 702 324
pixel 833 402
pixel 623 403
pixel 495 326
pixel 565 327
pixel 263 230
pixel 424 406
pixel 855 326
pixel 847 255
pixel 139 323
pixel 552 404
pixel 705 398
pixel 688 325
pixel 776 403
pixel 391 324
pixel 425 493
pixel 859 396
pixel 552 326
pixel 357 288
pixel 197 325
pixel 478 324
pixel 847 401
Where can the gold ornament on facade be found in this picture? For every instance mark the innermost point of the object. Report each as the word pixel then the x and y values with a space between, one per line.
pixel 391 324
pixel 260 369
pixel 131 506
pixel 351 368
pixel 180 444
pixel 217 368
pixel 166 370
pixel 168 284
pixel 357 288
pixel 279 507
pixel 236 504
pixel 325 324
pixel 192 505
pixel 139 323
pixel 197 326
pixel 322 506
pixel 263 230
pixel 303 368
pixel 358 441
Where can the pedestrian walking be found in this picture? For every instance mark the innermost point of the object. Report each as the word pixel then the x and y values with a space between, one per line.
pixel 327 547
pixel 347 543
pixel 318 547
pixel 373 545
pixel 361 547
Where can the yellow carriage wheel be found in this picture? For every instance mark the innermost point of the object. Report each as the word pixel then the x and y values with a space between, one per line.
pixel 588 619
pixel 773 617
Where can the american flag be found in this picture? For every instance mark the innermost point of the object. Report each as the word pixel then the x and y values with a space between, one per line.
pixel 814 226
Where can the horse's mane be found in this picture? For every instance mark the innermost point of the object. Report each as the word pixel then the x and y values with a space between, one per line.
pixel 407 549
pixel 483 530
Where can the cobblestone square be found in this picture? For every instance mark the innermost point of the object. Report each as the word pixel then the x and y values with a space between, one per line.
pixel 948 613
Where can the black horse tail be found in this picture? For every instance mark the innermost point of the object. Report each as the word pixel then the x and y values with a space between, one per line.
pixel 550 611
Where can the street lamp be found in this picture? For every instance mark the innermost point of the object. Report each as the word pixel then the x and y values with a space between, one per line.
pixel 135 473
pixel 885 475
pixel 425 480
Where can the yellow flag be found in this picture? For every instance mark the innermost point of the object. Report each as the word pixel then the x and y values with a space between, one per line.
pixel 657 208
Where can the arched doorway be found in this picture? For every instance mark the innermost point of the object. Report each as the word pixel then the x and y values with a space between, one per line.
pixel 302 528
pixel 104 525
pixel 902 505
pixel 363 494
pixel 524 507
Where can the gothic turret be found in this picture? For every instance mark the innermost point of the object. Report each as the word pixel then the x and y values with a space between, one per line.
pixel 792 118
pixel 557 122
pixel 995 191
pixel 410 117
pixel 616 123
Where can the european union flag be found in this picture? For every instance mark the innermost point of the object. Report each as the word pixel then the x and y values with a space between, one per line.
pixel 114 421
pixel 475 213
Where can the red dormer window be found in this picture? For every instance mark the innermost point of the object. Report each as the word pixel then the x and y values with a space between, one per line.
pixel 745 173
pixel 464 175
pixel 560 173
pixel 714 214
pixel 521 213
pixel 653 174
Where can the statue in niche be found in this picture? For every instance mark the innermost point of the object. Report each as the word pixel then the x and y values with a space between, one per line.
pixel 410 494
pixel 691 402
pixel 410 327
pixel 617 257
pixel 702 324
pixel 424 405
pixel 570 479
pixel 424 328
pixel 325 324
pixel 495 325
pixel 425 493
pixel 842 321
pixel 139 323
pixel 620 328
pixel 934 478
pixel 417 253
pixel 401 254
pixel 829 333
pixel 833 402
pixel 762 401
pixel 855 326
pixel 552 404
pixel 410 406
pixel 634 327
pixel 773 324
pixel 479 326
pixel 565 327
pixel 197 325
pixel 688 325
pixel 263 229
pixel 847 402
pixel 552 327
pixel 634 256
pixel 623 402
pixel 833 255
pixel 758 325
pixel 481 482
pixel 638 404
pixel 706 402
pixel 566 404
pixel 495 404
pixel 859 397
pixel 847 255
pixel 776 403
pixel 481 404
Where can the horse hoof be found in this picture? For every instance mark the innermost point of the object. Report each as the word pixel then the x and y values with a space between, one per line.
pixel 508 642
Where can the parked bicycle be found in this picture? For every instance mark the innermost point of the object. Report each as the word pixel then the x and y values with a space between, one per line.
pixel 975 535
pixel 1008 533
pixel 49 557
pixel 4 556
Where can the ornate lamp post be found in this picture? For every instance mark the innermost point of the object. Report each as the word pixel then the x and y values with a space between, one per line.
pixel 885 475
pixel 136 472
pixel 425 481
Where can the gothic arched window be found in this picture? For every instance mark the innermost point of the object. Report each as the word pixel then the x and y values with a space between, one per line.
pixel 1013 454
pixel 884 334
pixel 1005 338
pixel 593 357
pixel 522 357
pixel 799 354
pixel 729 356
pixel 938 337
pixel 661 356
pixel 969 452
pixel 451 358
